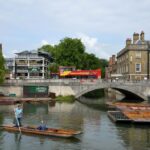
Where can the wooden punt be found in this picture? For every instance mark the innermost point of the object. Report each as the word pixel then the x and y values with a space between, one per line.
pixel 138 116
pixel 132 106
pixel 49 132
pixel 118 116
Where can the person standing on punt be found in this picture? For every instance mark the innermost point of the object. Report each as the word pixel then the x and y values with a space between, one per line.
pixel 18 115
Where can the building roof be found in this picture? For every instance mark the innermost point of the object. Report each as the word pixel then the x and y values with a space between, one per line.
pixel 46 55
pixel 39 53
pixel 27 52
pixel 140 42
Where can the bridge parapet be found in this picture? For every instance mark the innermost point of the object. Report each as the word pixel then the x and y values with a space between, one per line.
pixel 80 87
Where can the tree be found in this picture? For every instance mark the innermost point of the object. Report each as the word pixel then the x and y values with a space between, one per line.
pixel 103 65
pixel 71 52
pixel 91 61
pixel 2 66
pixel 48 48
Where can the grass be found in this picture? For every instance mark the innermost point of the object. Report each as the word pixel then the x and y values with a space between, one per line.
pixel 68 98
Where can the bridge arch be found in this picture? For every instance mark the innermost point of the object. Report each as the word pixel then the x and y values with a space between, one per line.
pixel 129 92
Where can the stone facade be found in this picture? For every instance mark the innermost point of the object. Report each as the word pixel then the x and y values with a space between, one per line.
pixel 133 60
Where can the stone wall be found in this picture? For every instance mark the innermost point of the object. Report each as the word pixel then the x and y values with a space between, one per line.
pixel 18 90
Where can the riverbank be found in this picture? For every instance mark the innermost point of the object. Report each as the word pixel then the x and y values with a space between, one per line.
pixel 15 100
pixel 68 99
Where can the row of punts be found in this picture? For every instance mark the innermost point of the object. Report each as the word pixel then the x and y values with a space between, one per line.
pixel 130 112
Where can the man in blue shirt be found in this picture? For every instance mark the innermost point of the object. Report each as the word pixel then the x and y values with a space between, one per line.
pixel 18 115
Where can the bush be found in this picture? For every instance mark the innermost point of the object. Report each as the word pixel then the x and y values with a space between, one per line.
pixel 68 98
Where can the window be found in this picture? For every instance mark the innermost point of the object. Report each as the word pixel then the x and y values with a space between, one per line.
pixel 126 68
pixel 130 58
pixel 137 67
pixel 138 54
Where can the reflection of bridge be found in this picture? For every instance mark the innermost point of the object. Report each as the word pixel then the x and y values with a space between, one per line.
pixel 140 90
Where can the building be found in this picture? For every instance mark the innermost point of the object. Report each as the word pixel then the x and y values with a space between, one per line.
pixel 111 70
pixel 9 67
pixel 133 59
pixel 29 65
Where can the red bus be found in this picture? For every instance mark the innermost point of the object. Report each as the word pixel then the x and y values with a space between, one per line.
pixel 71 72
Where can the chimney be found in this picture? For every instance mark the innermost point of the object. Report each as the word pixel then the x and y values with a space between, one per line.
pixel 110 61
pixel 142 36
pixel 135 37
pixel 128 41
pixel 113 59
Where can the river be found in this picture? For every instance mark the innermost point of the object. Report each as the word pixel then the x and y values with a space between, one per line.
pixel 99 132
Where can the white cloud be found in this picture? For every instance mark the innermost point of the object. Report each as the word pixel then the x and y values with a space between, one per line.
pixel 94 46
pixel 25 22
pixel 44 42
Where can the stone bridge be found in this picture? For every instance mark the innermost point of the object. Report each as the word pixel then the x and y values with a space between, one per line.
pixel 138 90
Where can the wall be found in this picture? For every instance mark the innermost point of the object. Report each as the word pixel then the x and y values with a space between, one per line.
pixel 61 90
pixel 18 90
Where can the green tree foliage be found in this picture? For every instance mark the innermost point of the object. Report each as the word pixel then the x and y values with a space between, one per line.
pixel 90 61
pixel 54 67
pixel 2 67
pixel 71 52
pixel 103 65
pixel 48 48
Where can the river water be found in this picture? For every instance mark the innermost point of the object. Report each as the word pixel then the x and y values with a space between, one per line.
pixel 99 132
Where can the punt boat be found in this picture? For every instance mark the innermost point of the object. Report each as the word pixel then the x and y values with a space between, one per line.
pixel 118 116
pixel 48 132
pixel 138 116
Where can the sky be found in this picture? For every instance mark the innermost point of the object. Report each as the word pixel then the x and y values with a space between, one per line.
pixel 102 25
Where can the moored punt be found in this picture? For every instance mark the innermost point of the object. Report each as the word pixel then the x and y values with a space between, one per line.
pixel 138 116
pixel 118 116
pixel 48 132
pixel 131 106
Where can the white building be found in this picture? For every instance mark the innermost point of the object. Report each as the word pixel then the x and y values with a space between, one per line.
pixel 31 65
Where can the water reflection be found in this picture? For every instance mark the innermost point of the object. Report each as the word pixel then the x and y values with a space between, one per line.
pixel 135 136
pixel 99 132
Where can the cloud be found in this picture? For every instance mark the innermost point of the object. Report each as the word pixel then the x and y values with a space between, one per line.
pixel 94 46
pixel 26 22
pixel 44 42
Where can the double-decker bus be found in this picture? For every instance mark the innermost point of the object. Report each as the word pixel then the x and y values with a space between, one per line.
pixel 71 72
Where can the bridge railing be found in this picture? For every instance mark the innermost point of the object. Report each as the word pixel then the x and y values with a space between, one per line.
pixel 73 82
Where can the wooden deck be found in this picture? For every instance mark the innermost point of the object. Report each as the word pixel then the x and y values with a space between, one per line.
pixel 118 116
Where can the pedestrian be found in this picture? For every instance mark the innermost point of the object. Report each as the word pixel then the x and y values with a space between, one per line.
pixel 18 115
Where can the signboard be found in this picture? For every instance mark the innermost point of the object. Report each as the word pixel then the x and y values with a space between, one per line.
pixel 35 91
